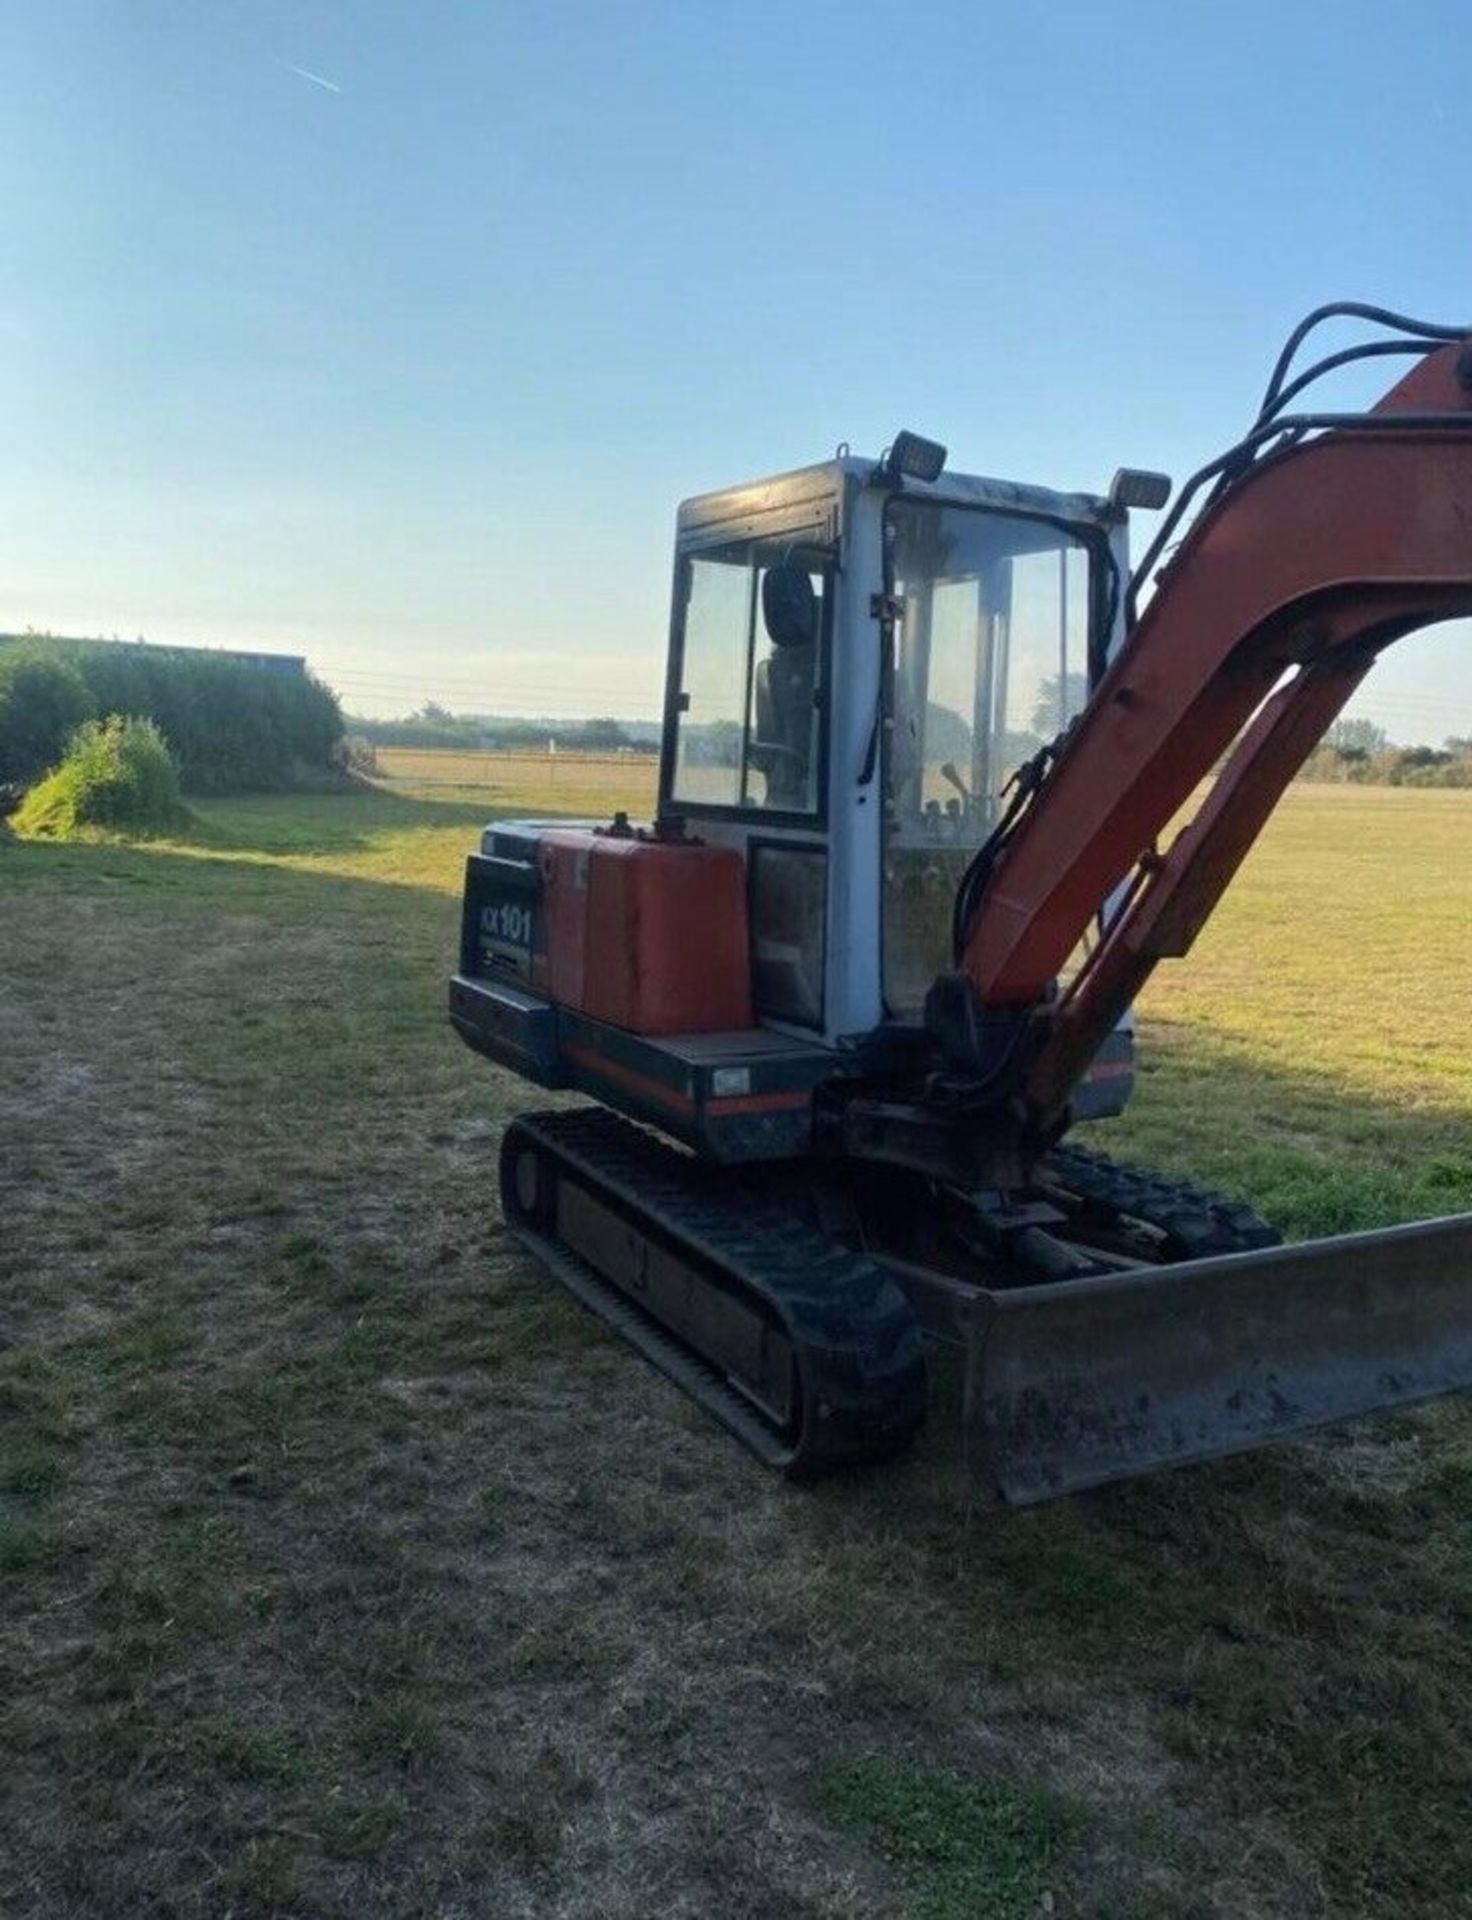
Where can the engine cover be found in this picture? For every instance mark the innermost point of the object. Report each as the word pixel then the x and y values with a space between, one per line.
pixel 647 935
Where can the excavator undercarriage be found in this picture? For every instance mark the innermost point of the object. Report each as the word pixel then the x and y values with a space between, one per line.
pixel 853 1000
pixel 807 1345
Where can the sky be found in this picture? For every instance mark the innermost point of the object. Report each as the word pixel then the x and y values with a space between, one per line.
pixel 393 334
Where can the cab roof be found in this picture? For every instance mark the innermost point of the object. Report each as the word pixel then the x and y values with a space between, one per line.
pixel 820 494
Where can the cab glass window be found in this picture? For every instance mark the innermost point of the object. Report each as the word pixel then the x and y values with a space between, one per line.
pixel 990 663
pixel 749 640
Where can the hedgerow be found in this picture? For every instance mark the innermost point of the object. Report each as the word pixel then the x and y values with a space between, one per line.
pixel 231 727
pixel 43 700
pixel 1393 766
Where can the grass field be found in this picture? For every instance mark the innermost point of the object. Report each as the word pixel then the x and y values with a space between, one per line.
pixel 346 1569
pixel 592 782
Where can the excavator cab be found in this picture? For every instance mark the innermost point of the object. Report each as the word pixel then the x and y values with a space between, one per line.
pixel 859 664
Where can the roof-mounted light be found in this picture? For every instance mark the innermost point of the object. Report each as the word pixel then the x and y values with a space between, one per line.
pixel 913 457
pixel 1138 487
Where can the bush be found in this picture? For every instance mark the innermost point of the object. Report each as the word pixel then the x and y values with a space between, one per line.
pixel 117 774
pixel 43 700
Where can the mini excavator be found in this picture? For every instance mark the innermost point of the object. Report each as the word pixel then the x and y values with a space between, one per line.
pixel 941 781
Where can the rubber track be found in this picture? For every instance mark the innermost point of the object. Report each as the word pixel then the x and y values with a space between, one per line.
pixel 854 1334
pixel 1195 1220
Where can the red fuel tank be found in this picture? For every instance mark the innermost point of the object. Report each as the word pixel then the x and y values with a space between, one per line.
pixel 648 935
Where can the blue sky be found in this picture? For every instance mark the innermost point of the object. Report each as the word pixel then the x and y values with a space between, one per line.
pixel 409 370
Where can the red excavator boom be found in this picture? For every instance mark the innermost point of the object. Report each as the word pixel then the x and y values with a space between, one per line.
pixel 1306 565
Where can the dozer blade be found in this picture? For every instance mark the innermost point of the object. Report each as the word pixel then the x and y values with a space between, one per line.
pixel 1086 1381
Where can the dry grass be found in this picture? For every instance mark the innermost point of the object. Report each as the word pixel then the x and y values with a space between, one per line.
pixel 345 1568
pixel 595 783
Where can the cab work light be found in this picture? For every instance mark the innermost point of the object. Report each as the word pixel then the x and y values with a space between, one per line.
pixel 1138 487
pixel 913 457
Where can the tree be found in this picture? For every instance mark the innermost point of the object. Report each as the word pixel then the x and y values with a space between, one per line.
pixel 716 744
pixel 603 735
pixel 1046 717
pixel 1347 735
pixel 947 736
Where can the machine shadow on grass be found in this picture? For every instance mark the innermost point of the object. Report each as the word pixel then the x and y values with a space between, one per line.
pixel 347 1563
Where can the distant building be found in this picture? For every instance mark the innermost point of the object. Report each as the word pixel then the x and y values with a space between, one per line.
pixel 287 663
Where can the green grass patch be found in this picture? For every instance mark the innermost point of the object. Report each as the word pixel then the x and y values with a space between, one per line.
pixel 35 1429
pixel 360 1827
pixel 966 1848
pixel 266 1757
pixel 398 1730
pixel 25 1545
pixel 30 1469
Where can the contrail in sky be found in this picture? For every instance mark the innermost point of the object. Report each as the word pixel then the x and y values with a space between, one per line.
pixel 315 78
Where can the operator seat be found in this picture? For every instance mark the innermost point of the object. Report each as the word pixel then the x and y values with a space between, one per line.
pixel 785 683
